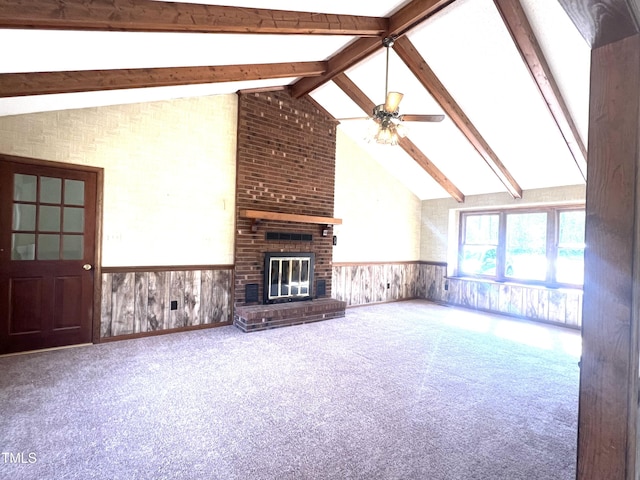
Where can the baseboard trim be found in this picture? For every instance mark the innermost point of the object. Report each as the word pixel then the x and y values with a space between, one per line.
pixel 153 333
pixel 63 347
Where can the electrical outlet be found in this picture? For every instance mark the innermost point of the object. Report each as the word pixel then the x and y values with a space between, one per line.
pixel 446 285
pixel 174 304
pixel 388 285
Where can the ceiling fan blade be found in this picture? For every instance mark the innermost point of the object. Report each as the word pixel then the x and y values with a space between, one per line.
pixel 421 118
pixel 352 118
pixel 393 101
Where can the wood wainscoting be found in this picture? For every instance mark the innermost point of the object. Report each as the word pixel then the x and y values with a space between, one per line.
pixel 554 305
pixel 367 283
pixel 147 300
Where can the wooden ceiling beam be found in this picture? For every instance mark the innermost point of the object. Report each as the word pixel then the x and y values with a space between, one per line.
pixel 601 22
pixel 399 23
pixel 40 83
pixel 414 13
pixel 341 61
pixel 150 16
pixel 365 103
pixel 418 66
pixel 525 40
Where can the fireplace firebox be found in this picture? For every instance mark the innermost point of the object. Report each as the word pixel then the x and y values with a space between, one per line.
pixel 288 277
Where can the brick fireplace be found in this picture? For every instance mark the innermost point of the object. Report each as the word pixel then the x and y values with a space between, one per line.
pixel 285 188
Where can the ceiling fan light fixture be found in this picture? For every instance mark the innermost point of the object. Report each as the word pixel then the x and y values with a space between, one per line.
pixel 387 133
pixel 386 136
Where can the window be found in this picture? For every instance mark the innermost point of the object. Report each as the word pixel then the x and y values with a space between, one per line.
pixel 570 259
pixel 480 245
pixel 538 245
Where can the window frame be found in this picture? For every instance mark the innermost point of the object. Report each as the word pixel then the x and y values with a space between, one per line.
pixel 552 243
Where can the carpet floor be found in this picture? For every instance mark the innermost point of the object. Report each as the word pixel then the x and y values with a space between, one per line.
pixel 409 390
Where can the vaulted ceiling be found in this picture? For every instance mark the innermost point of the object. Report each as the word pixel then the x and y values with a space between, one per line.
pixel 510 76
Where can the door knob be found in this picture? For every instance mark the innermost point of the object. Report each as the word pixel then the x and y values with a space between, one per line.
pixel 86 266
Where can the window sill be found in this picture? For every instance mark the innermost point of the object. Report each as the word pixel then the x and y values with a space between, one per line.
pixel 519 283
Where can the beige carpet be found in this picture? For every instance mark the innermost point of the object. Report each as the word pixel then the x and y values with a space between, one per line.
pixel 408 390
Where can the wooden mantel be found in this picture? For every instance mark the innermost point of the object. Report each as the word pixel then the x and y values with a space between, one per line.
pixel 289 217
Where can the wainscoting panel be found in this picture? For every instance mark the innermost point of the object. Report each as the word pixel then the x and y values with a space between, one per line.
pixel 362 284
pixel 563 306
pixel 140 302
pixel 158 303
pixel 123 304
pixel 106 310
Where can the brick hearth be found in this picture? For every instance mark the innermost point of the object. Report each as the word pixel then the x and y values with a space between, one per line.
pixel 251 318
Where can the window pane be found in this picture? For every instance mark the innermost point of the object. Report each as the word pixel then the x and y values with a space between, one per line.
pixel 24 187
pixel 48 247
pixel 23 246
pixel 480 244
pixel 50 190
pixel 74 192
pixel 49 220
pixel 72 247
pixel 478 259
pixel 24 217
pixel 73 220
pixel 570 261
pixel 526 249
pixel 481 229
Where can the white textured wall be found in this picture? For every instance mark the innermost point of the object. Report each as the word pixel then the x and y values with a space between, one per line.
pixel 381 217
pixel 169 183
pixel 439 230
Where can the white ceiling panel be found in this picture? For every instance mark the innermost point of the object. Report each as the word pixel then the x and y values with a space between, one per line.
pixel 336 102
pixel 59 50
pixel 397 163
pixel 454 155
pixel 471 51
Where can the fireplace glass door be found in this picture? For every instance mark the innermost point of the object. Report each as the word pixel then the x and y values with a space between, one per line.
pixel 288 277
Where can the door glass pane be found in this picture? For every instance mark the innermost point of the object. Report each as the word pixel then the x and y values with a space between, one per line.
pixel 24 187
pixel 275 276
pixel 72 247
pixel 295 276
pixel 49 220
pixel 526 252
pixel 48 247
pixel 304 286
pixel 73 220
pixel 284 286
pixel 74 192
pixel 50 190
pixel 23 246
pixel 24 217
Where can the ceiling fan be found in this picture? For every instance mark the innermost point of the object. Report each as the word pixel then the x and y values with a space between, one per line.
pixel 387 120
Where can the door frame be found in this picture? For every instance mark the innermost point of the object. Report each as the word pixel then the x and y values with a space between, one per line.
pixel 97 260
